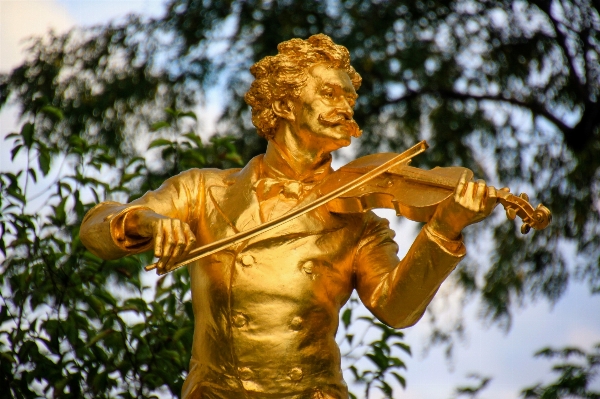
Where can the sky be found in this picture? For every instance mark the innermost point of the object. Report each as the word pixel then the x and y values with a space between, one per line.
pixel 507 357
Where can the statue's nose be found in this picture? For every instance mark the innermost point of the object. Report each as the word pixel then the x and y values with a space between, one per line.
pixel 346 112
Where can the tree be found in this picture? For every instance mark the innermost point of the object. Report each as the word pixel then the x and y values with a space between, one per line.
pixel 73 325
pixel 575 377
pixel 506 88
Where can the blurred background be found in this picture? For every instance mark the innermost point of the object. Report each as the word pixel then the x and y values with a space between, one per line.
pixel 111 97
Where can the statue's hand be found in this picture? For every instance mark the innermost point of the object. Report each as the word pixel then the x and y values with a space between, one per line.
pixel 172 237
pixel 471 203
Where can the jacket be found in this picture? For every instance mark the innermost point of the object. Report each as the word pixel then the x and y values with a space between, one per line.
pixel 267 310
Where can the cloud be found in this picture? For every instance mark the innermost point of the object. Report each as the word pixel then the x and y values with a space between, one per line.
pixel 21 19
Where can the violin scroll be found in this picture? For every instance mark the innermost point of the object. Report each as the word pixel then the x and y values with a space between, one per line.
pixel 538 218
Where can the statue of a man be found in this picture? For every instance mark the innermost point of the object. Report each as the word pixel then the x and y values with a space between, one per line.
pixel 266 310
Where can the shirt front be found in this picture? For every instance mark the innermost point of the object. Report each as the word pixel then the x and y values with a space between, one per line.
pixel 280 188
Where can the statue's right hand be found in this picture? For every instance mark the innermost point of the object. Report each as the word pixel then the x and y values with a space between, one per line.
pixel 172 237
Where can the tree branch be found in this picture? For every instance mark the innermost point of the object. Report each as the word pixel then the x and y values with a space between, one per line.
pixel 587 48
pixel 596 5
pixel 562 40
pixel 536 109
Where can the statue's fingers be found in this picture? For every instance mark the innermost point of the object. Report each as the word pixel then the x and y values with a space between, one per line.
pixel 461 186
pixel 169 240
pixel 480 191
pixel 158 241
pixel 490 201
pixel 161 265
pixel 179 238
pixel 469 193
pixel 190 238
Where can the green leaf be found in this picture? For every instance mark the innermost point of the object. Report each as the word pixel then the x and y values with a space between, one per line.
pixel 100 382
pixel 194 138
pixel 403 346
pixel 60 214
pixel 347 317
pixel 235 158
pixel 350 338
pixel 181 332
pixel 174 113
pixel 159 125
pixel 189 114
pixel 103 334
pixel 7 356
pixel 59 387
pixel 32 173
pixel 27 133
pixel 12 135
pixel 160 143
pixel 15 151
pixel 44 161
pixel 54 112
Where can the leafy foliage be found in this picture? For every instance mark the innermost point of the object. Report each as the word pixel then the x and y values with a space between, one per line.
pixel 576 373
pixel 71 324
pixel 473 391
pixel 363 337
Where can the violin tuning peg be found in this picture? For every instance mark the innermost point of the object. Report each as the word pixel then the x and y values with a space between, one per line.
pixel 511 213
pixel 524 196
pixel 525 228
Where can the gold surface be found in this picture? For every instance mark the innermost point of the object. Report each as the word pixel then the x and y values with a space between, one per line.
pixel 341 187
pixel 266 308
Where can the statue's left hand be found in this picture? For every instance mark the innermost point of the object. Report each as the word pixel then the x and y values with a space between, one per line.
pixel 470 203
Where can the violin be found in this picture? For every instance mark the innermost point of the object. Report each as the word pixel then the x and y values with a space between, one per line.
pixel 384 180
pixel 415 193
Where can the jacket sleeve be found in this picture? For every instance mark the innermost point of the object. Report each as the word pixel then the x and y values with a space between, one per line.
pixel 103 227
pixel 397 291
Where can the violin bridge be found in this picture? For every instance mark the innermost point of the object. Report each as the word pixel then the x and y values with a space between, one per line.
pixel 397 207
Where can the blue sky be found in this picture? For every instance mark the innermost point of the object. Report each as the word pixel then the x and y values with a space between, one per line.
pixel 487 350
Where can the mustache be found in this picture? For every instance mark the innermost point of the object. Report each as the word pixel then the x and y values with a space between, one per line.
pixel 336 118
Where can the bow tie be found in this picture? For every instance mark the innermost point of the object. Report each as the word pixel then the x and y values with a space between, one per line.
pixel 268 187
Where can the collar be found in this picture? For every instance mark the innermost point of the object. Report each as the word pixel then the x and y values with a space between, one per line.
pixel 275 165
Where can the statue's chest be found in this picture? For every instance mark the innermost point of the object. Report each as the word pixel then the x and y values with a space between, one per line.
pixel 301 268
pixel 310 256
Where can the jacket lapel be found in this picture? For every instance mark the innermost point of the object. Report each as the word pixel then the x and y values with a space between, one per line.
pixel 237 200
pixel 238 203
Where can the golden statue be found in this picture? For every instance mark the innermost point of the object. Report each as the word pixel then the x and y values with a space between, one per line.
pixel 266 303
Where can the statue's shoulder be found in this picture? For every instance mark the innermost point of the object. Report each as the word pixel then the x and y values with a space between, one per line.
pixel 209 176
pixel 227 177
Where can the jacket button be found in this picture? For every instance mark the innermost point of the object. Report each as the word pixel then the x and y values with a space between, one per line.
pixel 239 320
pixel 247 260
pixel 296 323
pixel 245 373
pixel 295 374
pixel 308 267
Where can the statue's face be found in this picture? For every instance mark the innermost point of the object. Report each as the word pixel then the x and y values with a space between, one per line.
pixel 323 112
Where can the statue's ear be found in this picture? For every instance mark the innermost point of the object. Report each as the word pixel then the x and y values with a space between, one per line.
pixel 284 109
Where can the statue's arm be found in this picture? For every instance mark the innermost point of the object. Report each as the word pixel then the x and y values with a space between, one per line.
pixel 111 230
pixel 397 291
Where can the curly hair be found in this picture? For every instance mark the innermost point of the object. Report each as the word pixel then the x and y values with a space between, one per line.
pixel 284 76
